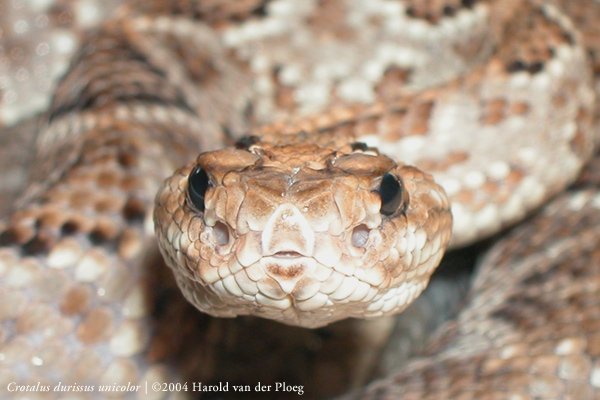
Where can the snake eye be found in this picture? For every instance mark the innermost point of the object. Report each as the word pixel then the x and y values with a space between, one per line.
pixel 392 194
pixel 198 183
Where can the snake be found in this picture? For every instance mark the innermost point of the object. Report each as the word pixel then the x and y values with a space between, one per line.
pixel 343 146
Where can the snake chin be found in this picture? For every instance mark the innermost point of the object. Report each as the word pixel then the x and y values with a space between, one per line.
pixel 288 292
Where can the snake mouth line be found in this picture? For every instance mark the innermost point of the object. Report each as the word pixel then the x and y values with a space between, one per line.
pixel 287 254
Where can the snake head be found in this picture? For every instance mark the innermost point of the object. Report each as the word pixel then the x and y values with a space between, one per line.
pixel 302 234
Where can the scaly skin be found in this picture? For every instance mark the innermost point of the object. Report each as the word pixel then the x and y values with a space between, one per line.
pixel 160 81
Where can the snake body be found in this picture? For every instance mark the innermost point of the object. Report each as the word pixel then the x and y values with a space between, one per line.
pixel 305 221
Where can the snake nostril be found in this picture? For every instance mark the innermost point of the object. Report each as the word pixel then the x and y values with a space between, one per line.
pixel 360 235
pixel 221 233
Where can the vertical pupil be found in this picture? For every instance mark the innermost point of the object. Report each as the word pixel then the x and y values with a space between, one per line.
pixel 391 194
pixel 198 183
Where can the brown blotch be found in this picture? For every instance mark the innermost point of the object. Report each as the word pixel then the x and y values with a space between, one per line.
pixel 490 188
pixel 471 49
pixel 346 128
pixel 290 272
pixel 134 210
pixel 376 20
pixel 129 244
pixel 465 197
pixel 596 64
pixel 493 112
pixel 419 118
pixel 261 9
pixel 98 237
pixel 326 130
pixel 393 124
pixel 284 95
pixel 449 11
pixel 80 199
pixel 199 66
pixel 428 164
pixel 75 224
pixel 515 66
pixel 591 326
pixel 130 183
pixel 49 219
pixel 579 143
pixel 583 114
pixel 411 12
pixel 519 108
pixel 514 177
pixel 520 65
pixel 433 12
pixel 103 232
pixel 499 195
pixel 60 15
pixel 97 326
pixel 568 37
pixel 329 19
pixel 39 244
pixel 13 236
pixel 69 228
pixel 593 345
pixel 392 82
pixel 127 159
pixel 559 100
pixel 106 179
pixel 218 13
pixel 76 300
pixel 106 204
pixel 535 67
pixel 367 126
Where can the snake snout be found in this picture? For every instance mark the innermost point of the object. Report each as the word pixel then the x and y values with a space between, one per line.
pixel 287 234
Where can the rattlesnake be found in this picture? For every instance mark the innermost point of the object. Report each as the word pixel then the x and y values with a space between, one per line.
pixel 495 99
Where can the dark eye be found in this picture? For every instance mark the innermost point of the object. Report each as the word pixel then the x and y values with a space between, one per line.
pixel 198 183
pixel 392 194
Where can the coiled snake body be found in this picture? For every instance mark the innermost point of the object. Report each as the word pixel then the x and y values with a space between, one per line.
pixel 307 218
